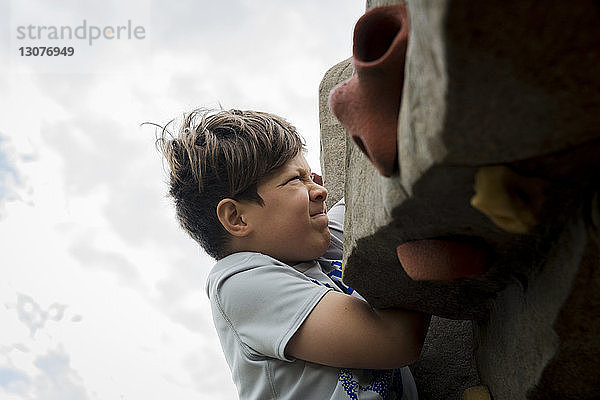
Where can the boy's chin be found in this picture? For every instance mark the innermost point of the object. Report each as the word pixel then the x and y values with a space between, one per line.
pixel 316 252
pixel 325 246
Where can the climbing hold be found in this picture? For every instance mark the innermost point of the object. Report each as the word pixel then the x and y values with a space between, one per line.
pixel 479 392
pixel 512 201
pixel 367 104
pixel 441 260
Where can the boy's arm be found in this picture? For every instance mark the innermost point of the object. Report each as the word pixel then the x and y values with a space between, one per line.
pixel 344 331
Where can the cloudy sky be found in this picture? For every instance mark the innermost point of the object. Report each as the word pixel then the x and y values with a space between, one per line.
pixel 101 294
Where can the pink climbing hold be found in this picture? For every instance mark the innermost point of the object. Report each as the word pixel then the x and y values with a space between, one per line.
pixel 441 260
pixel 368 103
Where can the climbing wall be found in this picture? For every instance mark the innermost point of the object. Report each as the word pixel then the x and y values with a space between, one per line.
pixel 470 135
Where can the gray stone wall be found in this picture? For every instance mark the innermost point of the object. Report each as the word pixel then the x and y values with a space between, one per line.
pixel 487 84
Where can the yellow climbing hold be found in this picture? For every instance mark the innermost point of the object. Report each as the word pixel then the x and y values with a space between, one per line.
pixel 512 201
pixel 476 393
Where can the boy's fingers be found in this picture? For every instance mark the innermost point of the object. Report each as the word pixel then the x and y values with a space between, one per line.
pixel 318 179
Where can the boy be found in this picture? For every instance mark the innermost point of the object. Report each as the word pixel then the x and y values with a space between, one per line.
pixel 289 328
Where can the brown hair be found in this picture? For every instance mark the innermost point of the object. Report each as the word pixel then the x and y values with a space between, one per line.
pixel 222 154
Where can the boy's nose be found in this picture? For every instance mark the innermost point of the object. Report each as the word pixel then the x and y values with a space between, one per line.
pixel 318 192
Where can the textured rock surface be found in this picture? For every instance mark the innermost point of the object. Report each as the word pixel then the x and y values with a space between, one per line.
pixel 446 366
pixel 489 83
pixel 333 136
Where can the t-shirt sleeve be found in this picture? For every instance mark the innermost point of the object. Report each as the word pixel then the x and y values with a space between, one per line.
pixel 266 305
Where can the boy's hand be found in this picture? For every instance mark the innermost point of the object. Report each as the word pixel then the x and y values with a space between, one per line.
pixel 344 331
pixel 318 179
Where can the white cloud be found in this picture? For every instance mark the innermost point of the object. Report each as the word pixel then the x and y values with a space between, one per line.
pixel 13 381
pixel 9 175
pixel 52 379
pixel 57 380
pixel 32 315
pixel 116 263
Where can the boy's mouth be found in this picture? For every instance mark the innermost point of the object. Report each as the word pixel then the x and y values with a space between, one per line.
pixel 318 213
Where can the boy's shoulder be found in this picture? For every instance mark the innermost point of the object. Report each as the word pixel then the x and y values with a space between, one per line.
pixel 237 263
pixel 251 270
pixel 243 260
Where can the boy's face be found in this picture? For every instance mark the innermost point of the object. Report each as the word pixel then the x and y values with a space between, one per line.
pixel 291 226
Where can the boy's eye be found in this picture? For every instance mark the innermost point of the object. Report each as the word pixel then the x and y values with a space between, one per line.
pixel 304 177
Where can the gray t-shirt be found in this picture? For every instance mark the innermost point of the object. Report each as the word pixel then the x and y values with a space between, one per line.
pixel 258 303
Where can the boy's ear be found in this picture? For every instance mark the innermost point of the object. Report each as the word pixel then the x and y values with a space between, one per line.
pixel 229 213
